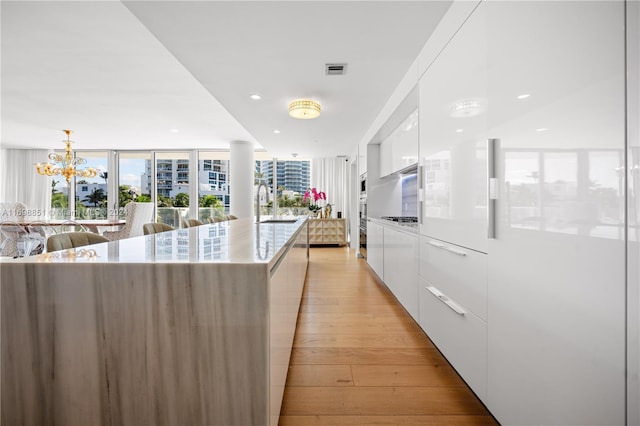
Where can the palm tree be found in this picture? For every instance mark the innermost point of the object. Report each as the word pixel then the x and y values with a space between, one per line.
pixel 103 175
pixel 96 197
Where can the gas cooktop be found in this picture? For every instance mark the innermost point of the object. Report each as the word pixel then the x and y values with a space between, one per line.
pixel 401 219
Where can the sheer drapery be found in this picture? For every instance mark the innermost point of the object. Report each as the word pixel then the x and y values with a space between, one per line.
pixel 330 175
pixel 20 183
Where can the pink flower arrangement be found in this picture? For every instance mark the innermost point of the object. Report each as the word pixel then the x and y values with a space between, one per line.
pixel 313 196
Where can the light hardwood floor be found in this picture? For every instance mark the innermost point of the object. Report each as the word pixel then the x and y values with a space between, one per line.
pixel 359 359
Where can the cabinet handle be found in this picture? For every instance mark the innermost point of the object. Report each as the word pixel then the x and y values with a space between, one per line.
pixel 420 194
pixel 449 249
pixel 492 187
pixel 444 299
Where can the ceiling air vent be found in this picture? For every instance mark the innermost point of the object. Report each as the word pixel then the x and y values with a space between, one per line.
pixel 336 69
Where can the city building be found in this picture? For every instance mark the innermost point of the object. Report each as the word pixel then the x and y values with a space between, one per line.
pixel 293 175
pixel 173 178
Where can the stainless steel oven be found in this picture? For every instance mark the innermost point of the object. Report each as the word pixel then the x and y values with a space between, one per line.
pixel 363 227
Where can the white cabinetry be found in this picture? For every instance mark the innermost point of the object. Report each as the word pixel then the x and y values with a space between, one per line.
pixel 555 311
pixel 556 268
pixel 459 334
pixel 453 241
pixel 362 158
pixel 285 294
pixel 459 272
pixel 386 161
pixel 453 140
pixel 400 149
pixel 375 248
pixel 453 307
pixel 401 268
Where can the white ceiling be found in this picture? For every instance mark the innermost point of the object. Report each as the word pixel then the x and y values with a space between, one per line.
pixel 123 74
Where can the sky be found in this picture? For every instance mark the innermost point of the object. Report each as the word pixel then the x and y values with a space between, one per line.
pixel 131 170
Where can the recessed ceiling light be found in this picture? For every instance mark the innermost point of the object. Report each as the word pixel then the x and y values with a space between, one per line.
pixel 524 96
pixel 174 131
pixel 542 129
pixel 459 130
pixel 255 96
pixel 276 131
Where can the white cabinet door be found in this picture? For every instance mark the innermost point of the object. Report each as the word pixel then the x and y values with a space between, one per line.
pixel 556 307
pixel 401 268
pixel 362 159
pixel 460 273
pixel 375 248
pixel 453 140
pixel 400 149
pixel 405 145
pixel 459 334
pixel 386 158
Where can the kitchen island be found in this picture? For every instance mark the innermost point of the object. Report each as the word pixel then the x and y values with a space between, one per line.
pixel 186 327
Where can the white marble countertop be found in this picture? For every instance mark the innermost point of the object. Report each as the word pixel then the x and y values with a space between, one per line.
pixel 239 241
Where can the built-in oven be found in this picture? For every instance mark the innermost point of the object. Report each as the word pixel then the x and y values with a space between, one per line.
pixel 363 227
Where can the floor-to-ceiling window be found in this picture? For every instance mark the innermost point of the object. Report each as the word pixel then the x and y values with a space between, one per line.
pixel 82 197
pixel 213 184
pixel 91 192
pixel 172 187
pixel 288 179
pixel 134 178
pixel 167 177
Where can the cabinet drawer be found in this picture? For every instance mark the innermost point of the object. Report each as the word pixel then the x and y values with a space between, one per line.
pixel 458 272
pixel 460 336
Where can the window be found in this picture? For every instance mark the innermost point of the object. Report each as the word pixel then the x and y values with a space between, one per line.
pixel 213 195
pixel 134 178
pixel 173 187
pixel 91 193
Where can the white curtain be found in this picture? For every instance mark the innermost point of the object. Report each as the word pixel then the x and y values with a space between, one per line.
pixel 19 182
pixel 330 175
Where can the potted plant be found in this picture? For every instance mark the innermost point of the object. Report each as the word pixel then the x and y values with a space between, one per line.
pixel 314 198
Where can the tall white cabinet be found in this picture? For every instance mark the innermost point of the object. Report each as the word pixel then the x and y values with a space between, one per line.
pixel 544 309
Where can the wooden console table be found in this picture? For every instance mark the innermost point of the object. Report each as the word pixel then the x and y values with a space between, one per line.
pixel 328 231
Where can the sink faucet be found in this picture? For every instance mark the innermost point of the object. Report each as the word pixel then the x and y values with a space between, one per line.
pixel 266 190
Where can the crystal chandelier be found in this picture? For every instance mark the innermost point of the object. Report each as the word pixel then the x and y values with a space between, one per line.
pixel 66 164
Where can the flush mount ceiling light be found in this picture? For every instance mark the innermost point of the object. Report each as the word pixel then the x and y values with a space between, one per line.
pixel 304 109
